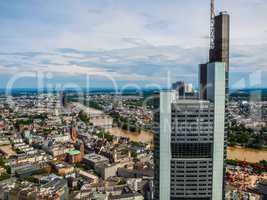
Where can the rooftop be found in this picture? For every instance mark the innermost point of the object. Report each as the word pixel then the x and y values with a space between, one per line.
pixel 95 157
pixel 74 152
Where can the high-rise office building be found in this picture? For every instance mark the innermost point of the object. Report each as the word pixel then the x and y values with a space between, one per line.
pixel 189 142
pixel 184 89
pixel 203 81
pixel 219 53
pixel 190 135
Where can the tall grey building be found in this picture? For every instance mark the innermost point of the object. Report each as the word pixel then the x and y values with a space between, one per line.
pixel 219 53
pixel 190 135
pixel 189 142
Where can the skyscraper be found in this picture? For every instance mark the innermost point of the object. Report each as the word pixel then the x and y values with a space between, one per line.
pixel 184 89
pixel 189 142
pixel 190 135
pixel 220 52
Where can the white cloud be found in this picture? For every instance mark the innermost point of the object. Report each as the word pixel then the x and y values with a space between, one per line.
pixel 131 40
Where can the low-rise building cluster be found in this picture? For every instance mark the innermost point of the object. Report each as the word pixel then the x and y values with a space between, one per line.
pixel 48 151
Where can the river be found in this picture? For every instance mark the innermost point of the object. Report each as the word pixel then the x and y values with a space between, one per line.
pixel 143 136
pixel 245 154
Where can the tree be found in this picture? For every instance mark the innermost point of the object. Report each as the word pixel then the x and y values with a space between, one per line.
pixel 263 163
pixel 4 176
pixel 243 138
pixel 133 154
pixel 106 135
pixel 83 117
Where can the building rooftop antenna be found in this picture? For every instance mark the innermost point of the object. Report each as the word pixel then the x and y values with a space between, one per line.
pixel 212 22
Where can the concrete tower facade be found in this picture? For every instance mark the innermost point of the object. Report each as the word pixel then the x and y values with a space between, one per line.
pixel 190 135
pixel 189 142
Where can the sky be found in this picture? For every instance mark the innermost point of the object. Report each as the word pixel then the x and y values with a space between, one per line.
pixel 124 43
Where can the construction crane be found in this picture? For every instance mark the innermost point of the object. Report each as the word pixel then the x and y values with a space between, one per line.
pixel 212 23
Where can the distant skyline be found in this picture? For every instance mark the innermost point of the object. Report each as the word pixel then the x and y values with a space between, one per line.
pixel 135 42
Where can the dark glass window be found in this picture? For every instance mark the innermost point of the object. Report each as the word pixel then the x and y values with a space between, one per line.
pixel 191 150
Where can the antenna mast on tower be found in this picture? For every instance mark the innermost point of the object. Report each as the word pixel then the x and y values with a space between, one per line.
pixel 212 22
